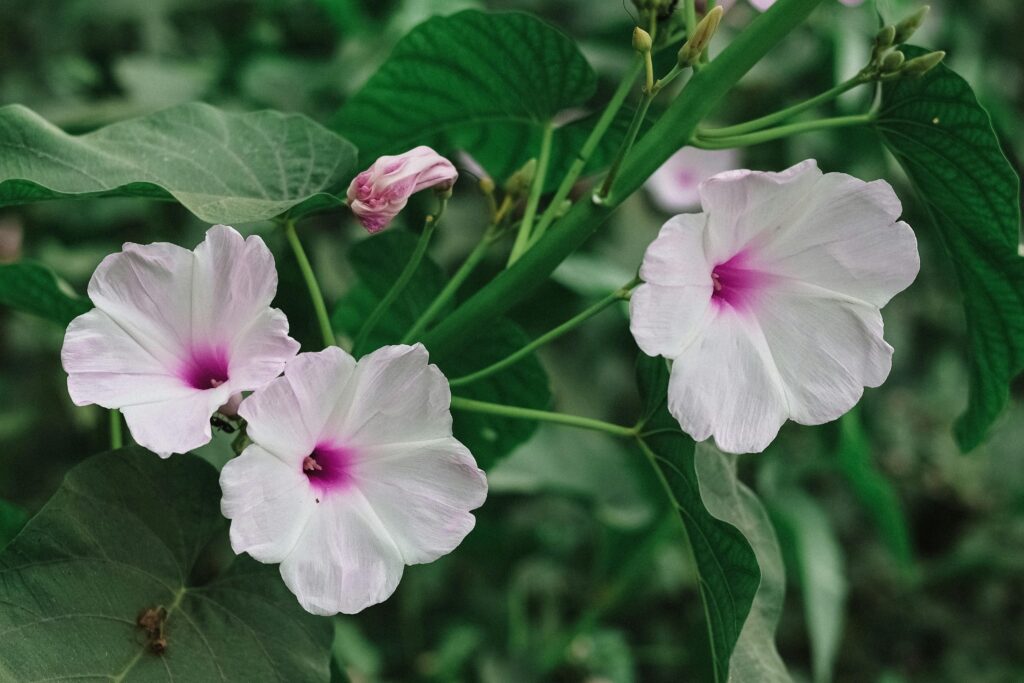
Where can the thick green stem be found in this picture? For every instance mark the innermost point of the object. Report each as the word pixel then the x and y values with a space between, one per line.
pixel 593 140
pixel 769 134
pixel 572 323
pixel 315 295
pixel 358 346
pixel 690 16
pixel 673 130
pixel 627 144
pixel 451 288
pixel 783 114
pixel 116 435
pixel 533 201
pixel 468 404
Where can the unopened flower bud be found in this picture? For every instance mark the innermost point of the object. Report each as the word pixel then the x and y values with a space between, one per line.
pixel 893 61
pixel 885 37
pixel 908 26
pixel 520 181
pixel 642 42
pixel 691 50
pixel 380 192
pixel 919 66
pixel 487 185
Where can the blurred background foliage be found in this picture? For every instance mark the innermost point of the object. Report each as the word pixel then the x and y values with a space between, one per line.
pixel 905 558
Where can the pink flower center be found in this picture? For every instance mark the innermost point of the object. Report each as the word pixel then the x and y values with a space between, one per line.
pixel 329 467
pixel 206 368
pixel 735 283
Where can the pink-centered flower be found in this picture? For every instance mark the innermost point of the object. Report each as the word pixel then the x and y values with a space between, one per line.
pixel 768 301
pixel 176 334
pixel 353 474
pixel 674 186
pixel 380 192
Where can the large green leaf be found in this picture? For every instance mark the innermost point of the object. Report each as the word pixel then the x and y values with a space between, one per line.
pixel 124 534
pixel 945 142
pixel 484 77
pixel 378 261
pixel 223 167
pixel 726 563
pixel 33 288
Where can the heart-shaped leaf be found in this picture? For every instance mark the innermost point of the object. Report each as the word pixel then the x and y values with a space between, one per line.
pixel 223 167
pixel 107 582
pixel 945 142
pixel 33 288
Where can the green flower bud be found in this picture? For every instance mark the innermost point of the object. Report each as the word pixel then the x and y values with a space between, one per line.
pixel 487 185
pixel 919 66
pixel 642 42
pixel 893 61
pixel 520 181
pixel 691 50
pixel 906 28
pixel 885 37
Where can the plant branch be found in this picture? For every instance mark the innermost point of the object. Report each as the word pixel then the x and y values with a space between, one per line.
pixel 516 412
pixel 315 295
pixel 758 137
pixel 533 201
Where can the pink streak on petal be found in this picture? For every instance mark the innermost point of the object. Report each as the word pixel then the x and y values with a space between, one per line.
pixel 206 368
pixel 737 283
pixel 329 468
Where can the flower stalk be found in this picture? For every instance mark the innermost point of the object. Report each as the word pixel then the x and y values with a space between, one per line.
pixel 315 295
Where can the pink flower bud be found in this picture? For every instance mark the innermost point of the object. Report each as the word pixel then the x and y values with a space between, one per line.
pixel 377 194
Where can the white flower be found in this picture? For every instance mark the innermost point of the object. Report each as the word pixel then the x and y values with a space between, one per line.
pixel 353 474
pixel 674 186
pixel 176 333
pixel 768 302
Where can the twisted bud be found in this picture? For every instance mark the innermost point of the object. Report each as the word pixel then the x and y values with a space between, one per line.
pixel 692 49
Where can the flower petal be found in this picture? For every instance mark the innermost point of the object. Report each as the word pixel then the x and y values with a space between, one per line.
pixel 147 290
pixel 423 494
pixel 177 425
pixel 394 396
pixel 344 560
pixel 109 367
pixel 288 415
pixel 268 503
pixel 664 320
pixel 675 185
pixel 725 385
pixel 849 241
pixel 748 208
pixel 826 349
pixel 262 351
pixel 234 281
pixel 676 256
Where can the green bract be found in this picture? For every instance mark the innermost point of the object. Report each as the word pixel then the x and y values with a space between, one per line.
pixel 128 532
pixel 944 140
pixel 223 167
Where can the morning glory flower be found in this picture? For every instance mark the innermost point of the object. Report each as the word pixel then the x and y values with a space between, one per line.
pixel 176 334
pixel 673 187
pixel 380 192
pixel 353 473
pixel 767 303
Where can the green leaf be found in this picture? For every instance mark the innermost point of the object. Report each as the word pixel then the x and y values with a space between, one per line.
pixel 945 142
pixel 33 288
pixel 725 561
pixel 490 77
pixel 875 492
pixel 727 499
pixel 128 532
pixel 378 261
pixel 12 519
pixel 223 167
pixel 818 560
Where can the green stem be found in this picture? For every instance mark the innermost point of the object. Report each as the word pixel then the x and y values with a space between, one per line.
pixel 399 285
pixel 760 136
pixel 315 295
pixel 783 114
pixel 116 435
pixel 572 323
pixel 673 130
pixel 690 16
pixel 515 412
pixel 465 270
pixel 593 140
pixel 533 201
pixel 627 144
